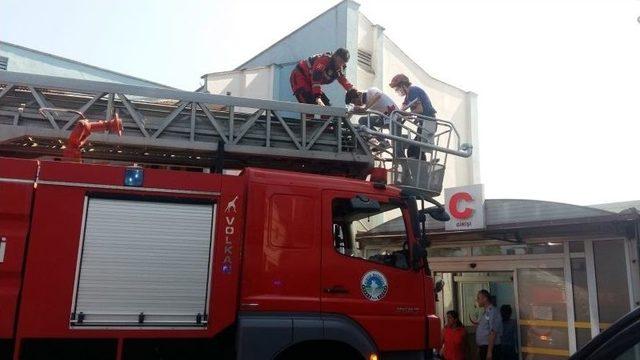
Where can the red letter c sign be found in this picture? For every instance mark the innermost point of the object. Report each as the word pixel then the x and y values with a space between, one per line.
pixel 453 205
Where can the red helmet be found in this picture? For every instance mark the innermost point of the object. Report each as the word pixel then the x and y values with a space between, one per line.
pixel 400 79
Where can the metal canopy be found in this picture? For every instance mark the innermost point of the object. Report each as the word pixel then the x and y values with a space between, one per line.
pixel 516 214
pixel 178 127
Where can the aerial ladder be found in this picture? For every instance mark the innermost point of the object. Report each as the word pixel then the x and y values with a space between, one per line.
pixel 56 118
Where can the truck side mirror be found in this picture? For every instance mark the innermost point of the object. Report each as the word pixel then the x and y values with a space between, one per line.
pixel 364 204
pixel 437 213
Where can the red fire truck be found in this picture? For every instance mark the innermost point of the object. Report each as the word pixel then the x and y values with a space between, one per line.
pixel 188 238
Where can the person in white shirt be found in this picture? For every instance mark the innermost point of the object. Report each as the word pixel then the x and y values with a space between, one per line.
pixel 371 99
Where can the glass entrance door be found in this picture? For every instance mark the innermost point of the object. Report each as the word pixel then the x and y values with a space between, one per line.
pixel 561 298
pixel 460 293
pixel 542 314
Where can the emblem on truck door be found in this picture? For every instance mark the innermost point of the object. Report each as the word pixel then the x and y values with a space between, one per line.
pixel 374 285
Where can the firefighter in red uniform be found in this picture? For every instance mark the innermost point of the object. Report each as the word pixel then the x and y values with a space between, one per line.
pixel 310 74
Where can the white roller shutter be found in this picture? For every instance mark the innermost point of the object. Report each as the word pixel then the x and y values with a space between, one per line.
pixel 144 263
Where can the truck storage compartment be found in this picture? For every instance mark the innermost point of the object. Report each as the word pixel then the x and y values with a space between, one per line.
pixel 144 263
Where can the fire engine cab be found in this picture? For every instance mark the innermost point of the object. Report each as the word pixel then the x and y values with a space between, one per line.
pixel 213 227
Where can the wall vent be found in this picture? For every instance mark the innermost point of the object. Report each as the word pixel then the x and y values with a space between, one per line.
pixel 364 60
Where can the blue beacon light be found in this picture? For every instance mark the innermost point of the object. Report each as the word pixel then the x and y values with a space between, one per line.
pixel 133 176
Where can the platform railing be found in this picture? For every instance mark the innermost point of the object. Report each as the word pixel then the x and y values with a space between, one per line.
pixel 414 148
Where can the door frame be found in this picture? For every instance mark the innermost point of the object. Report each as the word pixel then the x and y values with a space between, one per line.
pixel 375 315
pixel 504 263
pixel 557 261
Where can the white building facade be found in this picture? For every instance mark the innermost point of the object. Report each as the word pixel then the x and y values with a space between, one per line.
pixel 375 59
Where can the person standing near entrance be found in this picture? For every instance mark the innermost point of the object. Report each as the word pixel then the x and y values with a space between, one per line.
pixel 489 330
pixel 453 338
pixel 508 339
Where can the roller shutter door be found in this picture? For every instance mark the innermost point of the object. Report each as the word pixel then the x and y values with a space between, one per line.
pixel 144 263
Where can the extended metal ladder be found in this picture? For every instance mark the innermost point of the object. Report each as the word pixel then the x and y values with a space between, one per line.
pixel 192 129
pixel 178 127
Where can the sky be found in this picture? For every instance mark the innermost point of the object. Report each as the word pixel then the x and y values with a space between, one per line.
pixel 558 81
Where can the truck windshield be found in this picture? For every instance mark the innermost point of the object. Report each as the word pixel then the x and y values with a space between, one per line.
pixel 378 237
